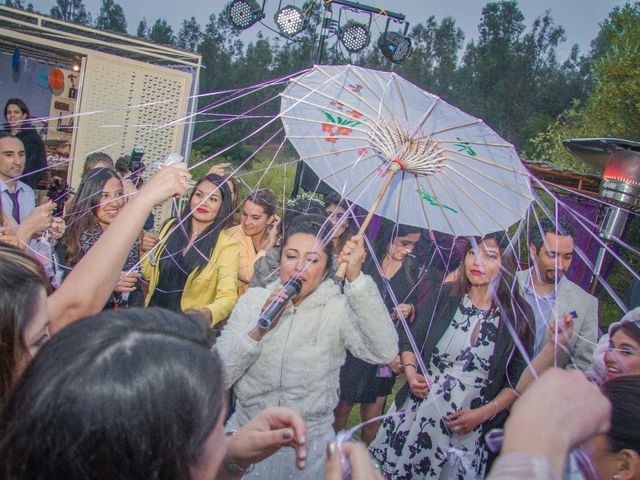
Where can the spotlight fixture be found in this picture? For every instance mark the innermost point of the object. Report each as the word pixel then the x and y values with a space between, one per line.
pixel 395 46
pixel 244 13
pixel 289 20
pixel 354 36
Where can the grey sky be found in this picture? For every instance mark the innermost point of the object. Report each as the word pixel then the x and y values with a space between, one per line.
pixel 580 18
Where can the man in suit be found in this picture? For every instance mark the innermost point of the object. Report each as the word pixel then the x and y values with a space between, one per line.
pixel 17 198
pixel 550 294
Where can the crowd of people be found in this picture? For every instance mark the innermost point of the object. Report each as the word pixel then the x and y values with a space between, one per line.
pixel 129 353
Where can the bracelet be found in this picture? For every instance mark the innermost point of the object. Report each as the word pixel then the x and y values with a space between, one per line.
pixel 234 467
pixel 411 365
pixel 495 412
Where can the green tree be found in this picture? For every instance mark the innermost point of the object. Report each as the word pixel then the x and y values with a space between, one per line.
pixel 257 62
pixel 162 33
pixel 190 35
pixel 511 77
pixel 612 108
pixel 111 17
pixel 218 49
pixel 143 29
pixel 19 4
pixel 434 62
pixel 71 11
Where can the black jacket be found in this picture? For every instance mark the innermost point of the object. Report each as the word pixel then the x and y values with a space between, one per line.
pixel 35 156
pixel 506 365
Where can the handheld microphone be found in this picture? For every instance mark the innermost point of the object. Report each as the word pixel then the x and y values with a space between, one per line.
pixel 292 289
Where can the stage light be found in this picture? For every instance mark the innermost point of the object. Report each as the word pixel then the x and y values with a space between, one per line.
pixel 354 36
pixel 289 20
pixel 395 46
pixel 244 13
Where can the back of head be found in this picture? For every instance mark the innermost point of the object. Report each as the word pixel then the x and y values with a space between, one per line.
pixel 123 164
pixel 303 204
pixel 21 281
pixel 96 160
pixel 125 394
pixel 623 393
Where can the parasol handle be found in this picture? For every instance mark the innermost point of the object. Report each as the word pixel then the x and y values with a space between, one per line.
pixel 393 169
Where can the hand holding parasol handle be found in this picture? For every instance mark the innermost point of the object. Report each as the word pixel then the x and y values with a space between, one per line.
pixel 393 169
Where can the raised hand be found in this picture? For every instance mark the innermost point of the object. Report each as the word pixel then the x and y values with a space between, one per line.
pixel 353 255
pixel 557 412
pixel 40 218
pixel 170 181
pixel 219 169
pixel 278 296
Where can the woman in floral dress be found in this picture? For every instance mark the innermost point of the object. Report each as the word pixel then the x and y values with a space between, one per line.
pixel 440 416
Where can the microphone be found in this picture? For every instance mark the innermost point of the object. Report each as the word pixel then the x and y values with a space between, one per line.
pixel 292 289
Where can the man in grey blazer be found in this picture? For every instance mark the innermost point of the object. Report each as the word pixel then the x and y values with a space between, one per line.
pixel 550 294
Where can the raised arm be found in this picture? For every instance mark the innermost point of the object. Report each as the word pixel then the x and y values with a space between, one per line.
pixel 88 286
pixel 368 331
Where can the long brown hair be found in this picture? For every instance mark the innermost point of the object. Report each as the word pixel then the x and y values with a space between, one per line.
pixel 505 295
pixel 82 212
pixel 21 280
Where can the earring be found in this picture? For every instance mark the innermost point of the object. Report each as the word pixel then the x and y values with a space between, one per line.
pixel 616 477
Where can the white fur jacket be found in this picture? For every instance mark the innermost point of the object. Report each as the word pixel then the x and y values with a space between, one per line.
pixel 297 364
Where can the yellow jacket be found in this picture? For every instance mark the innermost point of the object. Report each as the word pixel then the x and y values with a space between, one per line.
pixel 247 258
pixel 216 285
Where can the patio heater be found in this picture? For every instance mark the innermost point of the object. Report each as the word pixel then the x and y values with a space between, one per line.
pixel 620 187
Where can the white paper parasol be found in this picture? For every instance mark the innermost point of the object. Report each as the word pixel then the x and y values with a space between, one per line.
pixel 364 131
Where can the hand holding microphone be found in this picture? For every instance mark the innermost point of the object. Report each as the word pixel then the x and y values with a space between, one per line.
pixel 275 306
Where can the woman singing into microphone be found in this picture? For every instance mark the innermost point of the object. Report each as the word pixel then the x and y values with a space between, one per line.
pixel 296 361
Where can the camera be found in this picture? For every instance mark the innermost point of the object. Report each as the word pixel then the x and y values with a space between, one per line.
pixel 58 192
pixel 136 165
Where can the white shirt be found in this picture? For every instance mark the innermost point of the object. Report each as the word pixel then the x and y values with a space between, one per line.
pixel 26 200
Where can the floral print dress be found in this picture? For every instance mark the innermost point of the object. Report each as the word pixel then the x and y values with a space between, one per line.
pixel 419 443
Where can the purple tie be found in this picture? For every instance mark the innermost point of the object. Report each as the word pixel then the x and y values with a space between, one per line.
pixel 16 204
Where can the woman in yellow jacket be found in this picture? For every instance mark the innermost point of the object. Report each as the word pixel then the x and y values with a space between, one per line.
pixel 195 263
